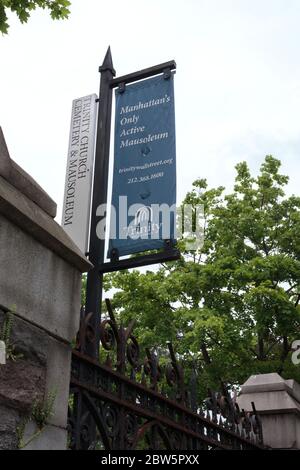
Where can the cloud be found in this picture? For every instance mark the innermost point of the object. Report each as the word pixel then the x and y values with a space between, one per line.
pixel 237 83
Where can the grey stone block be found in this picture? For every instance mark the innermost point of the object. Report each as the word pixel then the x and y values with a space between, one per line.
pixel 9 422
pixel 28 340
pixel 30 188
pixel 50 438
pixel 25 214
pixel 21 382
pixel 58 380
pixel 278 404
pixel 41 286
pixel 294 388
pixel 263 382
pixel 40 280
pixel 16 176
pixel 2 352
pixel 4 157
pixel 43 369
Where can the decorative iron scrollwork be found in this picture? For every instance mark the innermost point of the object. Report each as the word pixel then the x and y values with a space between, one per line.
pixel 128 403
pixel 110 415
pixel 86 334
pixel 108 335
pixel 152 369
pixel 133 352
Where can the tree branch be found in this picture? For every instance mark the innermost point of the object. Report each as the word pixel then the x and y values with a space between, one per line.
pixel 205 354
pixel 291 288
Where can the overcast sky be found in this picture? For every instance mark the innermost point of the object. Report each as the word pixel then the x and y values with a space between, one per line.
pixel 237 86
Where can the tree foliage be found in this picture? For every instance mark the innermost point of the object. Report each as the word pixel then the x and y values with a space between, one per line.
pixel 232 308
pixel 59 9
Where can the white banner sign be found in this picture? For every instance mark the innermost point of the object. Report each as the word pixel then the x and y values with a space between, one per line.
pixel 79 174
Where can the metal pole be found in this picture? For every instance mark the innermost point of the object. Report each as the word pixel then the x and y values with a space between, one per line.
pixel 96 246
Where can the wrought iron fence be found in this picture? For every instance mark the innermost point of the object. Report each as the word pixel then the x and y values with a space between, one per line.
pixel 118 404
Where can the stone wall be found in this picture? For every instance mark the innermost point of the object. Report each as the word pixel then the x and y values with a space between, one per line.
pixel 40 283
pixel 22 379
pixel 278 403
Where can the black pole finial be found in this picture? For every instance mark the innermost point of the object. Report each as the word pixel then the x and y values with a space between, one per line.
pixel 107 63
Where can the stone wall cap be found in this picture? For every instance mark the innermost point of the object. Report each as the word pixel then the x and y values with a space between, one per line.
pixel 271 383
pixel 21 180
pixel 264 380
pixel 269 402
pixel 4 157
pixel 27 215
pixel 294 387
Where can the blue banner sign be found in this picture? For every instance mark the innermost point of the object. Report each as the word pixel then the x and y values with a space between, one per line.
pixel 144 176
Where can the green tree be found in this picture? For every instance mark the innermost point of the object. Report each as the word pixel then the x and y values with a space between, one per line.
pixel 232 308
pixel 23 8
